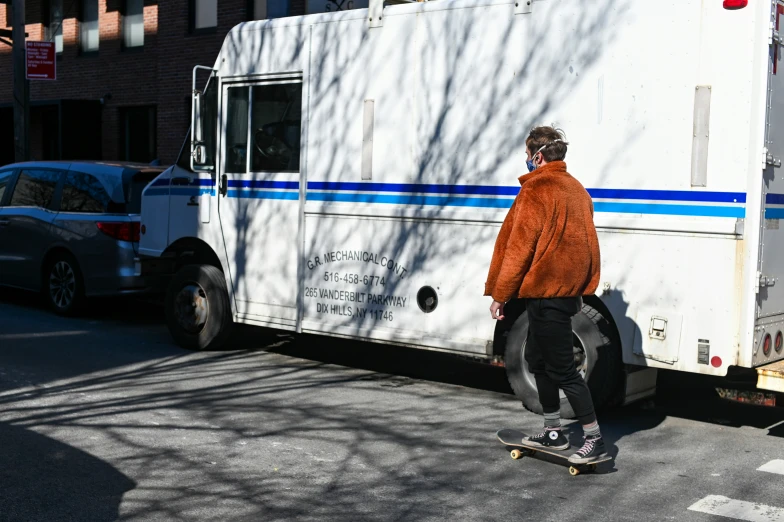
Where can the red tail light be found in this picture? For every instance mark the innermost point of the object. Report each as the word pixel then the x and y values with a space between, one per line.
pixel 735 4
pixel 766 344
pixel 118 230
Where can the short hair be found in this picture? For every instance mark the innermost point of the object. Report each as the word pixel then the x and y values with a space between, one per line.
pixel 553 140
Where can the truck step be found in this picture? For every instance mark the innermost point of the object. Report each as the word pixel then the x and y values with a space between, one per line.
pixel 771 377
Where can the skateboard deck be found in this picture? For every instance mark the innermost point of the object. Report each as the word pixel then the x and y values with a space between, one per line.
pixel 514 439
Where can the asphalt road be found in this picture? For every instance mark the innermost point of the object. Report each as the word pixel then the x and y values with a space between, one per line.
pixel 103 418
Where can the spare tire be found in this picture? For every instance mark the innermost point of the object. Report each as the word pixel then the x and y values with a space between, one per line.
pixel 597 356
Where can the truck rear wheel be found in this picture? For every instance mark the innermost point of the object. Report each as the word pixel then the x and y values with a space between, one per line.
pixel 198 311
pixel 597 357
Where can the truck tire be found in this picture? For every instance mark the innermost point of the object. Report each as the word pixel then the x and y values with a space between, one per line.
pixel 598 359
pixel 198 311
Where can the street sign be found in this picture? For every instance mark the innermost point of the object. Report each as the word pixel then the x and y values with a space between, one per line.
pixel 41 62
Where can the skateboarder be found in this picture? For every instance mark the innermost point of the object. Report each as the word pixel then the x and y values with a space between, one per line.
pixel 546 258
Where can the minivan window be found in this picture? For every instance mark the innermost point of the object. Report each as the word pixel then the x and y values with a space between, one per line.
pixel 5 179
pixel 134 189
pixel 84 193
pixel 35 188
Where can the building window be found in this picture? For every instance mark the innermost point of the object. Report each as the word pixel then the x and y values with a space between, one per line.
pixel 54 25
pixel 263 9
pixel 203 15
pixel 138 137
pixel 88 26
pixel 133 24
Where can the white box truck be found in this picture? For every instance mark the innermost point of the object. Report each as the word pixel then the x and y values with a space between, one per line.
pixel 347 174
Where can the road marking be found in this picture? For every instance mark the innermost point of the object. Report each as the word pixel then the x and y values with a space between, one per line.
pixel 774 466
pixel 738 509
pixel 9 337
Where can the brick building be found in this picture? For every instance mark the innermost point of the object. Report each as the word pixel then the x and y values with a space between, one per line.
pixel 123 73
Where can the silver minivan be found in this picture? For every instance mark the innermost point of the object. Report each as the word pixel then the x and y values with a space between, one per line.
pixel 71 229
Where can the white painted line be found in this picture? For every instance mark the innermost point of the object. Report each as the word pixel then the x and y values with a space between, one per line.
pixel 774 466
pixel 738 509
pixel 775 425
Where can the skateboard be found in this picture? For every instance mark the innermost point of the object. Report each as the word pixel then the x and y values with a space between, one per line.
pixel 513 438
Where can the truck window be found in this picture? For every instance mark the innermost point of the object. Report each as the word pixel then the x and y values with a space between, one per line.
pixel 276 114
pixel 237 130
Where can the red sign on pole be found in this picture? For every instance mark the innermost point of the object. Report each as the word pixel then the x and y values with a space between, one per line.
pixel 41 63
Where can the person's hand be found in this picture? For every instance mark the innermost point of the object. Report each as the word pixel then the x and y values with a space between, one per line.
pixel 497 310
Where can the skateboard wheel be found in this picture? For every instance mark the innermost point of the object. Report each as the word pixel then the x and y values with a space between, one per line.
pixel 573 471
pixel 516 454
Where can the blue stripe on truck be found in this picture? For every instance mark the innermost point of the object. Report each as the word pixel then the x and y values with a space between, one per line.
pixel 657 202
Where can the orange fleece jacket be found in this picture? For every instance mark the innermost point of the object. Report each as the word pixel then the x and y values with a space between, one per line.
pixel 547 246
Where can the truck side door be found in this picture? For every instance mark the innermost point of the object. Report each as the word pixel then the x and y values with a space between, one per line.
pixel 260 205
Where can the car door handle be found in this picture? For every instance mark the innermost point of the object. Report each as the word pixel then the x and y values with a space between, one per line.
pixel 4 222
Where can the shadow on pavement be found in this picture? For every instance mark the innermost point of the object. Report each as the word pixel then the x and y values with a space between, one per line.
pixel 287 426
pixel 682 395
pixel 694 397
pixel 43 479
pixel 135 309
pixel 397 363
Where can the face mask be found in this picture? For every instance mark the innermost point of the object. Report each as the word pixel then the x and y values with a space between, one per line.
pixel 530 163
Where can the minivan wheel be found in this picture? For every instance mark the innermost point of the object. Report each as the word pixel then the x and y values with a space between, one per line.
pixel 198 311
pixel 597 357
pixel 63 286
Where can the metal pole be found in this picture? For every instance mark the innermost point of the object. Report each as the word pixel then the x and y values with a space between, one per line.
pixel 21 85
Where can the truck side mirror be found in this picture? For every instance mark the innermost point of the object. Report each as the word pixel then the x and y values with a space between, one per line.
pixel 199 154
pixel 197 141
pixel 204 114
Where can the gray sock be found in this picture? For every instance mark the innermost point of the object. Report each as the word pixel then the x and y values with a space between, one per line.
pixel 592 430
pixel 552 420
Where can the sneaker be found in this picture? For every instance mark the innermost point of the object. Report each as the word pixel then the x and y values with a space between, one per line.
pixel 549 438
pixel 593 449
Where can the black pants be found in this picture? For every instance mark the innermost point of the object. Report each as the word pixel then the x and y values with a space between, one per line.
pixel 549 352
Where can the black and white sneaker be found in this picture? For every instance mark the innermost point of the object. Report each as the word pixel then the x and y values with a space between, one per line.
pixel 593 449
pixel 549 438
